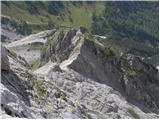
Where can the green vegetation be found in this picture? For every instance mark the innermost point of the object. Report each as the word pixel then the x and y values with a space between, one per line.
pixel 35 64
pixel 107 50
pixel 46 45
pixel 20 26
pixel 133 113
pixel 85 116
pixel 153 60
pixel 155 110
pixel 41 13
pixel 152 105
pixel 131 26
pixel 102 46
pixel 50 41
pixel 55 8
pixel 62 95
pixel 130 19
pixel 72 104
pixel 39 86
pixel 128 71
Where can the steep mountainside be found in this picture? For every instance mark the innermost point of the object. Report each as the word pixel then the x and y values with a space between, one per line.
pixel 130 27
pixel 85 59
pixel 29 47
pixel 52 13
pixel 94 60
pixel 78 77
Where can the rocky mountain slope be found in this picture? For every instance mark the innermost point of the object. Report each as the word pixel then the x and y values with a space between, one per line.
pixel 9 32
pixel 130 26
pixel 29 47
pixel 77 77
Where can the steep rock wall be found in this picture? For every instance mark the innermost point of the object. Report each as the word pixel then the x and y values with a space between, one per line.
pixel 127 74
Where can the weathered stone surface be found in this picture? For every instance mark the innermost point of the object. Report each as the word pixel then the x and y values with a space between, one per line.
pixel 85 98
pixel 9 30
pixel 4 59
pixel 60 47
pixel 139 81
pixel 14 96
pixel 128 74
pixel 79 79
pixel 30 46
pixel 12 105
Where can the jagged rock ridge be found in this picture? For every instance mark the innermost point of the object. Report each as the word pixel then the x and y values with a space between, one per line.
pixel 127 74
pixel 81 78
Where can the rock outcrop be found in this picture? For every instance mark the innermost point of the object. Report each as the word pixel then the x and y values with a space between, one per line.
pixel 30 46
pixel 4 59
pixel 15 101
pixel 79 77
pixel 134 79
pixel 10 30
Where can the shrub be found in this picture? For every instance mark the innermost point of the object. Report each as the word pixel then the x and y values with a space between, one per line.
pixel 55 7
pixel 133 113
pixel 61 94
pixel 35 64
pixel 128 71
pixel 39 87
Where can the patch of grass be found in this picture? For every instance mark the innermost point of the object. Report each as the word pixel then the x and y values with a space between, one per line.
pixel 85 116
pixel 28 76
pixel 64 97
pixel 35 64
pixel 71 16
pixel 20 14
pixel 39 87
pixel 153 106
pixel 61 94
pixel 107 50
pixel 81 16
pixel 155 110
pixel 153 60
pixel 133 113
pixel 72 104
pixel 50 41
pixel 128 71
pixel 115 48
pixel 102 46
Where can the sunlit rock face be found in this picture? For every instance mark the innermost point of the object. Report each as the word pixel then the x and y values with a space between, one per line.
pixel 78 77
pixel 130 76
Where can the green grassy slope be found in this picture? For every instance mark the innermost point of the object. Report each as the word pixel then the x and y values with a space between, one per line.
pixel 71 15
pixel 131 25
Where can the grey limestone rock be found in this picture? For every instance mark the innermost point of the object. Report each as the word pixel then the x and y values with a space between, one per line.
pixel 78 79
pixel 4 59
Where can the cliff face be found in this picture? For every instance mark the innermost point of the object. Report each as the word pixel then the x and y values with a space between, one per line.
pixel 129 75
pixel 14 95
pixel 10 30
pixel 79 77
pixel 29 47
